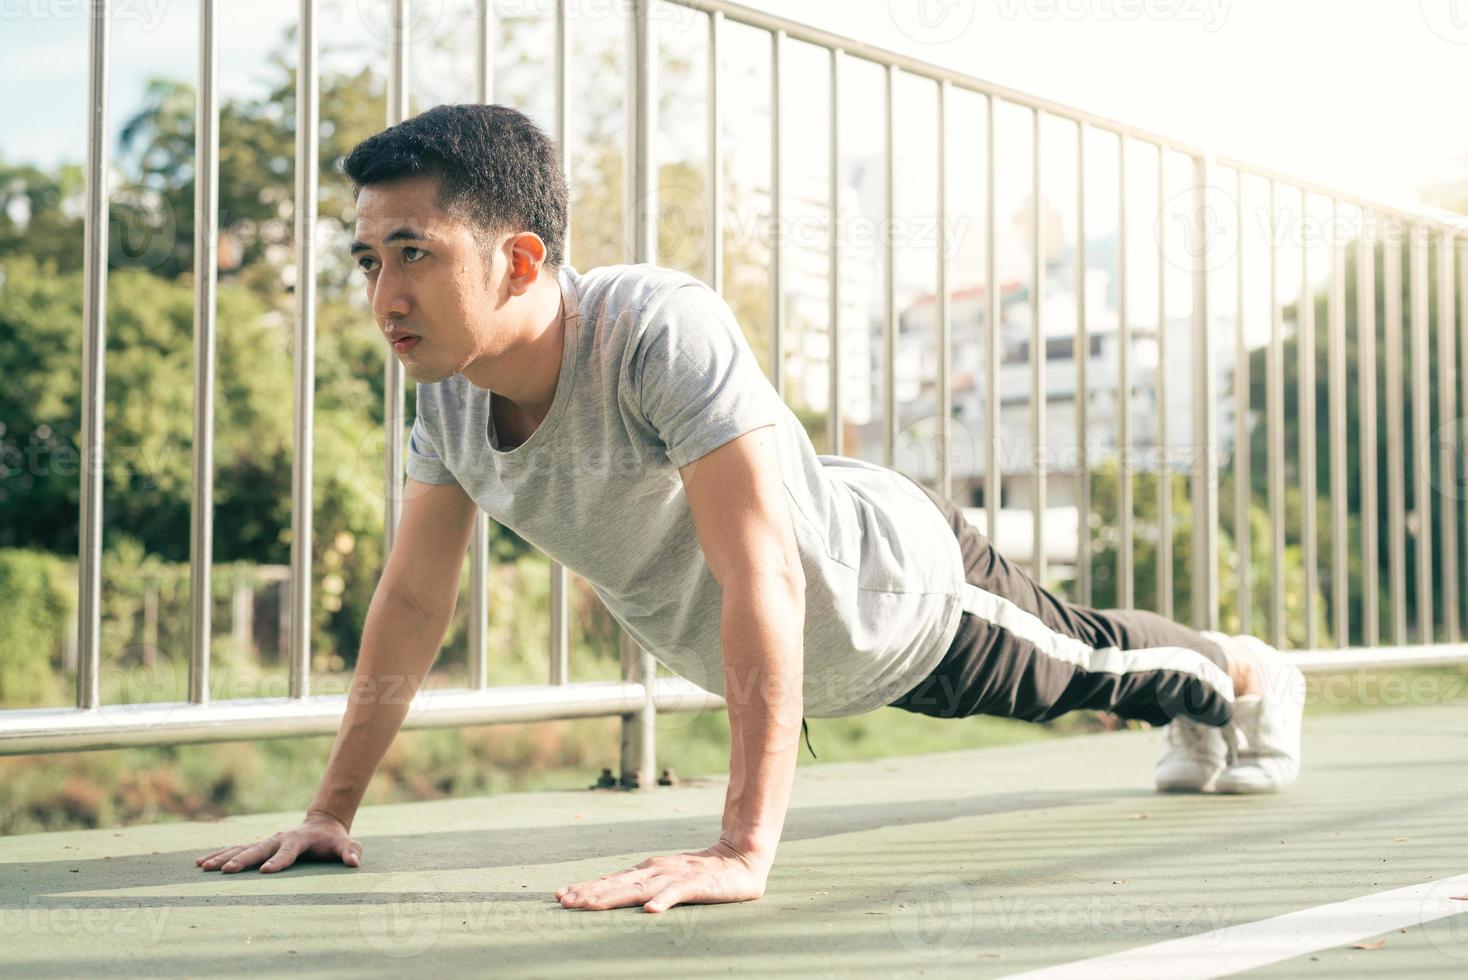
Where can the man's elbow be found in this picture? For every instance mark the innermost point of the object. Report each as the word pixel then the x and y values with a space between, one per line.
pixel 779 579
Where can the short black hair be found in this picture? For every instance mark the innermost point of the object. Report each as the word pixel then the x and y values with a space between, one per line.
pixel 497 170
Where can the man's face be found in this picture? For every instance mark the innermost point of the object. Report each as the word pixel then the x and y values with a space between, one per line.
pixel 426 276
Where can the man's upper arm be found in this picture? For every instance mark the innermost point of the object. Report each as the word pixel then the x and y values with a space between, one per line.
pixel 428 552
pixel 741 512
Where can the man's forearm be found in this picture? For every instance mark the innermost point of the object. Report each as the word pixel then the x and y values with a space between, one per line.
pixel 399 643
pixel 762 629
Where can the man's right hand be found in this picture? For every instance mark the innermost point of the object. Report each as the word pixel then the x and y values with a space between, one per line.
pixel 318 838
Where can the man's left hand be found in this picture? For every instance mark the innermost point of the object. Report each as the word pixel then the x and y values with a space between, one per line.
pixel 716 874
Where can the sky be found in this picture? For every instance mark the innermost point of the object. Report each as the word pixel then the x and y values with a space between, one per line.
pixel 1365 95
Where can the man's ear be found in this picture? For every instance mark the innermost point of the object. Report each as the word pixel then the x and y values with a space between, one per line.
pixel 526 252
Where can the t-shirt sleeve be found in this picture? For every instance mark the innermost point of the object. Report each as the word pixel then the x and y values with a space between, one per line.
pixel 424 463
pixel 695 377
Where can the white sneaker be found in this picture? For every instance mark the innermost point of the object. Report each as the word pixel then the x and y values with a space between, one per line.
pixel 1267 725
pixel 1194 755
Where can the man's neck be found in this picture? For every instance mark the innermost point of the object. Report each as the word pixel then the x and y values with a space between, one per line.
pixel 527 375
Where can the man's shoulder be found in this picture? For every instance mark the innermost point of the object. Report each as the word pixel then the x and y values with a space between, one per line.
pixel 613 291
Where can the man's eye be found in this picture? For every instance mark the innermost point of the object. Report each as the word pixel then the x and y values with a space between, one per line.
pixel 412 248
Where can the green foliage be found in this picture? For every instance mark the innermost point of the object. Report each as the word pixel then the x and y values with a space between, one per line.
pixel 1106 538
pixel 36 610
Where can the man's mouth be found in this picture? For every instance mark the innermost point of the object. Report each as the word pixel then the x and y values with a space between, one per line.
pixel 405 343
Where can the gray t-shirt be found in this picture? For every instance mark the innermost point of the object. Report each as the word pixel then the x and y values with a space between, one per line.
pixel 655 373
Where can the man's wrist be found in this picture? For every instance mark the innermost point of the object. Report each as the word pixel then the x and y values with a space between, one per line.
pixel 757 853
pixel 317 813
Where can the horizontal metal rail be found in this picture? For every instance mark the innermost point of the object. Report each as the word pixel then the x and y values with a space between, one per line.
pixel 31 730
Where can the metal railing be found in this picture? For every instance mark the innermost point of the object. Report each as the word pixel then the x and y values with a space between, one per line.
pixel 641 694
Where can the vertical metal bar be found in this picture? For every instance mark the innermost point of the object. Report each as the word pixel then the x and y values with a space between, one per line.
pixel 1243 485
pixel 1038 468
pixel 94 364
pixel 1083 344
pixel 889 284
pixel 638 758
pixel 560 587
pixel 560 634
pixel 304 418
pixel 1159 377
pixel 716 160
pixel 944 338
pixel 1205 424
pixel 833 251
pixel 484 52
pixel 993 475
pixel 1447 432
pixel 1391 284
pixel 206 276
pixel 562 87
pixel 478 654
pixel 1275 408
pixel 1366 381
pixel 639 729
pixel 1125 573
pixel 392 380
pixel 777 281
pixel 1305 312
pixel 1459 496
pixel 1340 582
pixel 1421 424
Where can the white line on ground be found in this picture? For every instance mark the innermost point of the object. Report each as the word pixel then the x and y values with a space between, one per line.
pixel 1248 945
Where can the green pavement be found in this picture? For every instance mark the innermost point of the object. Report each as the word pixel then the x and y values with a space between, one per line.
pixel 976 863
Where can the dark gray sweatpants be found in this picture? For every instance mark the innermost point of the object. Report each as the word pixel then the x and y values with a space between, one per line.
pixel 1024 652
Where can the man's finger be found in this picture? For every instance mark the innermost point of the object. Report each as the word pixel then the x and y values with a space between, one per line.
pixel 250 857
pixel 283 858
pixel 351 853
pixel 614 896
pixel 681 890
pixel 219 857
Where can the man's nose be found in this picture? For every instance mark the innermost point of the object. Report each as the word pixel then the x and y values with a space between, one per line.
pixel 389 296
